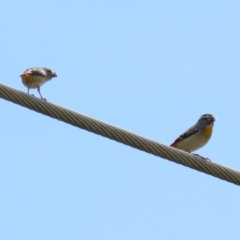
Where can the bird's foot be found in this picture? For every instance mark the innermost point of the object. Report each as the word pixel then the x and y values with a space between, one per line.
pixel 203 158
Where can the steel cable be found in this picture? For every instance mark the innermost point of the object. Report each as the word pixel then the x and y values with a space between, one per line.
pixel 119 135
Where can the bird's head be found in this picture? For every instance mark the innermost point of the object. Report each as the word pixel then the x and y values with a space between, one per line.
pixel 206 119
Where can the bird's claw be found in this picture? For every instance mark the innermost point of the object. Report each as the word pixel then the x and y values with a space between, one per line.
pixel 203 158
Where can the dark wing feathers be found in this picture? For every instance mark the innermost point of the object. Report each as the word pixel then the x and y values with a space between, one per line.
pixel 187 134
pixel 35 72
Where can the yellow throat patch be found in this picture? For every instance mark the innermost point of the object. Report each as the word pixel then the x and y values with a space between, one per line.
pixel 208 131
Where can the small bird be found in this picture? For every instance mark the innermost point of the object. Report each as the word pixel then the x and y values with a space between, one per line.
pixel 196 136
pixel 35 77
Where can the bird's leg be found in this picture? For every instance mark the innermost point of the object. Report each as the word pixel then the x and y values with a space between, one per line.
pixel 38 88
pixel 31 94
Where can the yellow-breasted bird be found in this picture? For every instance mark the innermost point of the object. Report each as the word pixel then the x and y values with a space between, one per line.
pixel 35 77
pixel 196 136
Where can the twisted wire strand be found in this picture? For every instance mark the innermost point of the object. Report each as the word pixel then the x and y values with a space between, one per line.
pixel 119 135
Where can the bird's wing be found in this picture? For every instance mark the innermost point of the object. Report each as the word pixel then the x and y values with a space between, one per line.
pixel 191 131
pixel 36 72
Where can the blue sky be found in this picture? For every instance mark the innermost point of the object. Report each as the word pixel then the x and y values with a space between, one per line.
pixel 150 67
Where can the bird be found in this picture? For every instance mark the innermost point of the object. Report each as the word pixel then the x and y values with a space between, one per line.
pixel 196 136
pixel 35 77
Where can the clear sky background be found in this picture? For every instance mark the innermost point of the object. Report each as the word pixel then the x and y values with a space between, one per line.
pixel 150 67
